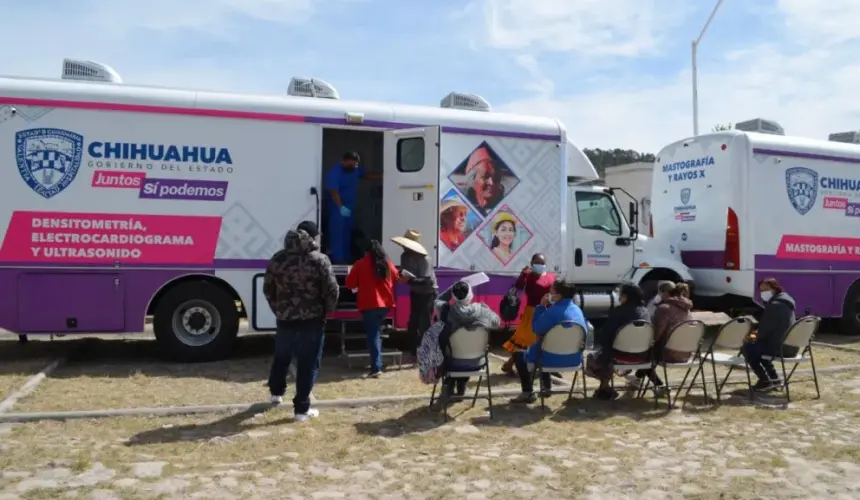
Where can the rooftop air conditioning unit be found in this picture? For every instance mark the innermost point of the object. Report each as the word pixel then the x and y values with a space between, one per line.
pixel 761 126
pixel 470 102
pixel 311 87
pixel 89 71
pixel 852 137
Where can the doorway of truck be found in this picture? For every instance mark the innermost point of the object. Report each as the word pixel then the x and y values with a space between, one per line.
pixel 367 215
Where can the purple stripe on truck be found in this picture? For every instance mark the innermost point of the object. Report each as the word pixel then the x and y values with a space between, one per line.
pixel 820 285
pixel 703 259
pixel 40 300
pixel 99 299
pixel 774 262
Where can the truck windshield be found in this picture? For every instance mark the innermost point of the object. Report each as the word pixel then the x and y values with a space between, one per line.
pixel 597 211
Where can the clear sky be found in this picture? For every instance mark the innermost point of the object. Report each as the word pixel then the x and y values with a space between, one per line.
pixel 617 72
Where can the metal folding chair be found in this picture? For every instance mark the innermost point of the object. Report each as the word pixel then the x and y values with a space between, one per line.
pixel 468 348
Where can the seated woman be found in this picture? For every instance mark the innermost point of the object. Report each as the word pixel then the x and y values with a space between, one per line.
pixel 599 363
pixel 461 313
pixel 672 310
pixel 777 318
pixel 557 308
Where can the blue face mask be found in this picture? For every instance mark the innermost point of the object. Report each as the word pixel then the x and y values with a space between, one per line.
pixel 538 268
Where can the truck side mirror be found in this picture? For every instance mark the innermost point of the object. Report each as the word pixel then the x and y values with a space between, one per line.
pixel 634 222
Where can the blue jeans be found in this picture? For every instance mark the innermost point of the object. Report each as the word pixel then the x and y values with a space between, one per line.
pixel 372 319
pixel 339 235
pixel 302 340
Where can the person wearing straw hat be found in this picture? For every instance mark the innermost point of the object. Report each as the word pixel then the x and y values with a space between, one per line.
pixel 418 273
pixel 453 214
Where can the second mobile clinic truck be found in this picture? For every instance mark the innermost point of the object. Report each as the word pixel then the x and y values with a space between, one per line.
pixel 122 201
pixel 741 206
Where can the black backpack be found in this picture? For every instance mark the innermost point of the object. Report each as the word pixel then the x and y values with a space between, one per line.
pixel 509 308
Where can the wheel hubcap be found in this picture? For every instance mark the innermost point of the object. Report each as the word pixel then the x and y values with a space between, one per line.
pixel 196 323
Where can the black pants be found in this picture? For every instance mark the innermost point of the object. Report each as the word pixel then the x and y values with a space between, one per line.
pixel 302 341
pixel 420 317
pixel 763 368
pixel 526 383
pixel 651 374
pixel 455 383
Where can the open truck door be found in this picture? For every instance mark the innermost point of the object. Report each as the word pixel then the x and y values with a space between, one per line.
pixel 410 197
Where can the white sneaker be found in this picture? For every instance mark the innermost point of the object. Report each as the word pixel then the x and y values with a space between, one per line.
pixel 304 417
pixel 276 400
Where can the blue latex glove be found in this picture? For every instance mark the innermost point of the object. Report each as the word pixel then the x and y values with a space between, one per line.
pixel 345 212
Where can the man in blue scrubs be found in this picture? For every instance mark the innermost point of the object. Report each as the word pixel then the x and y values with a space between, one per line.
pixel 341 182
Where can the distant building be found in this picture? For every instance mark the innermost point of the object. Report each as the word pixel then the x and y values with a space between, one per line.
pixel 635 178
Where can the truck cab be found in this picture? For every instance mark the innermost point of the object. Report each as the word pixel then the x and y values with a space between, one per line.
pixel 604 244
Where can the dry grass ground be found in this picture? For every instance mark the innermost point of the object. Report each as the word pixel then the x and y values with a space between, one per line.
pixel 586 449
pixel 126 373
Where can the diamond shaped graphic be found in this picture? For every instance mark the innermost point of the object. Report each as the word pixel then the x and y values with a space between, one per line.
pixel 484 179
pixel 457 220
pixel 505 234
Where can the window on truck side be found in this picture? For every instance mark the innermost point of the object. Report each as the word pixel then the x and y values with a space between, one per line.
pixel 410 154
pixel 597 211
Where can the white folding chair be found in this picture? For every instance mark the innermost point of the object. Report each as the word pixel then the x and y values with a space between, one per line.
pixel 685 337
pixel 634 339
pixel 798 337
pixel 468 348
pixel 725 350
pixel 562 340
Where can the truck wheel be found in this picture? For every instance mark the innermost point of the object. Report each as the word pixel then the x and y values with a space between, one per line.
pixel 650 281
pixel 196 321
pixel 649 288
pixel 851 311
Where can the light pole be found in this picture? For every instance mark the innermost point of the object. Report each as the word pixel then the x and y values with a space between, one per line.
pixel 695 48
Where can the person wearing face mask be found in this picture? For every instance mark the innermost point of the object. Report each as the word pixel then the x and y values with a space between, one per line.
pixel 341 184
pixel 599 364
pixel 671 312
pixel 535 282
pixel 556 308
pixel 664 290
pixel 776 319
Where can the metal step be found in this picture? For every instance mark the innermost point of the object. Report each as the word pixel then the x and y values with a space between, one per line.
pixel 360 336
pixel 396 357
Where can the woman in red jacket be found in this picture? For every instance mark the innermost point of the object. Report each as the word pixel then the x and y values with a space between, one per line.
pixel 374 277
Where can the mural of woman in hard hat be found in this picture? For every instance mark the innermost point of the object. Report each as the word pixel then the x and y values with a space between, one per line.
pixel 505 234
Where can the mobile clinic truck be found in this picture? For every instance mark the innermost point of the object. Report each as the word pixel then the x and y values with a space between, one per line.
pixel 122 201
pixel 742 206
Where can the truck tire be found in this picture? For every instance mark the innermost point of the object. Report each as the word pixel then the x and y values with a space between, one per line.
pixel 196 321
pixel 650 281
pixel 649 288
pixel 851 311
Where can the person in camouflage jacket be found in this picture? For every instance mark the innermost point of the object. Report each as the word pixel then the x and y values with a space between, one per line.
pixel 302 290
pixel 299 282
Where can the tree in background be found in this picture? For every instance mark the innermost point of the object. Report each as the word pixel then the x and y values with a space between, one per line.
pixel 604 158
pixel 721 127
